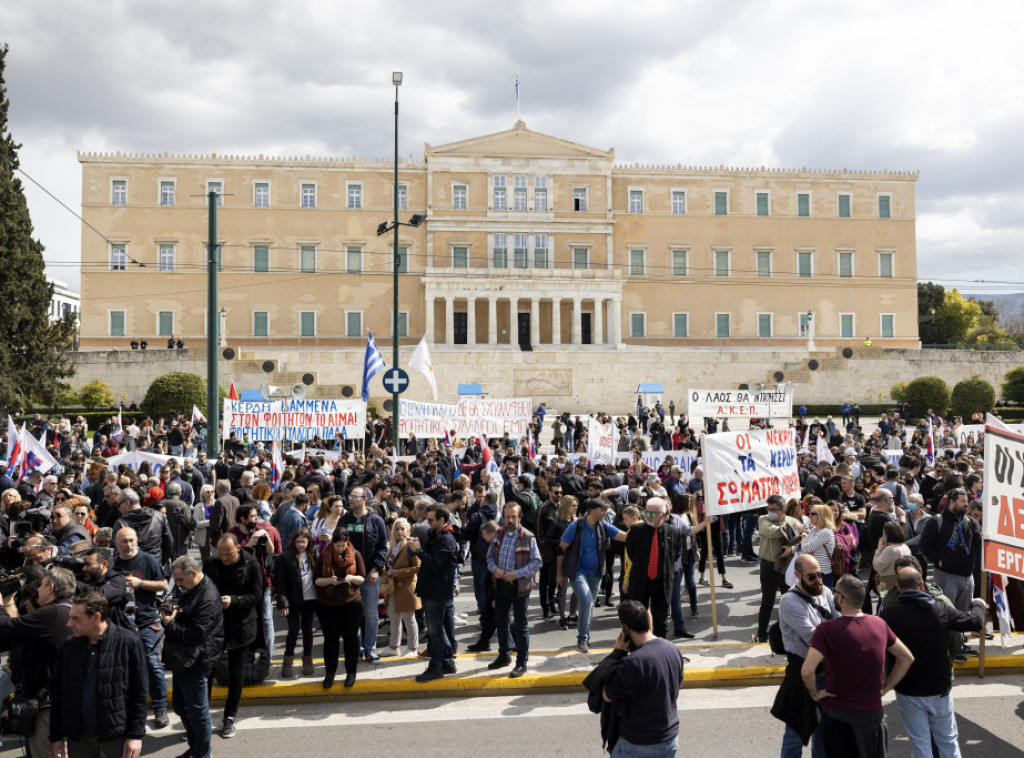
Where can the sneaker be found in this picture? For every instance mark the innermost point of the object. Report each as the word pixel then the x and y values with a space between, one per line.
pixel 563 624
pixel 970 652
pixel 702 581
pixel 961 658
pixel 573 622
pixel 390 652
pixel 228 730
pixel 694 615
pixel 160 718
pixel 727 584
pixel 410 653
pixel 583 646
pixel 749 559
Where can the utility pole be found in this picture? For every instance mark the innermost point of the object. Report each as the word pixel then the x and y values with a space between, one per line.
pixel 212 333
pixel 396 79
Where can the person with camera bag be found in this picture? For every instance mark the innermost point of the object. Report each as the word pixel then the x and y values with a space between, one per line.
pixel 194 638
pixel 99 687
pixel 33 641
pixel 237 576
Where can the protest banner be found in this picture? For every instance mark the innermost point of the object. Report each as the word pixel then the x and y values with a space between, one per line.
pixel 1003 518
pixel 741 469
pixel 295 420
pixel 739 404
pixel 653 458
pixel 968 433
pixel 469 418
pixel 601 439
pixel 136 458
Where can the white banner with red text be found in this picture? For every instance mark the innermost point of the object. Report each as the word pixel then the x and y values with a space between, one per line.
pixel 742 469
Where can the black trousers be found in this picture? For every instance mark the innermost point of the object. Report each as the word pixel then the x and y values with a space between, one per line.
pixel 236 677
pixel 653 596
pixel 300 618
pixel 548 585
pixel 340 623
pixel 772 583
pixel 716 543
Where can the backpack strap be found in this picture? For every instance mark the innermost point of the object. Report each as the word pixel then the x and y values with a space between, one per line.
pixel 821 611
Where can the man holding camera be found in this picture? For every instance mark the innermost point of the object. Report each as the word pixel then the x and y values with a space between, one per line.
pixel 33 641
pixel 265 542
pixel 147 578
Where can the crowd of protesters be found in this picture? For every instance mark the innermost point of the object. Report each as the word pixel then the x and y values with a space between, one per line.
pixel 351 533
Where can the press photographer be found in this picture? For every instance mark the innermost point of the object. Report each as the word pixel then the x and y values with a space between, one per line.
pixel 99 578
pixel 32 641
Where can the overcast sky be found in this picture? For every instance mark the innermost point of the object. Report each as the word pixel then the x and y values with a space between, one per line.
pixel 925 85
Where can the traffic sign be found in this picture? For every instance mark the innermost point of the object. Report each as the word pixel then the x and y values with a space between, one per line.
pixel 396 381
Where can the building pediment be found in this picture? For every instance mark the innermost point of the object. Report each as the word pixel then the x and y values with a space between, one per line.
pixel 519 142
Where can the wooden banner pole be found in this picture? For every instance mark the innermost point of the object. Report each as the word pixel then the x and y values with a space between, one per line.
pixel 984 627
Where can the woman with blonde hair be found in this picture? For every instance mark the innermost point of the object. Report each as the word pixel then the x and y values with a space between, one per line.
pixel 327 520
pixel 819 540
pixel 566 514
pixel 401 568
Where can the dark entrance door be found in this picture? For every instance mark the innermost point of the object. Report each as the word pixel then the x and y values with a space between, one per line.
pixel 524 328
pixel 585 328
pixel 460 328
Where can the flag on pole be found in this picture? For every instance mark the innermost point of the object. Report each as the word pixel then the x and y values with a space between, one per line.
pixel 1002 608
pixel 489 462
pixel 14 447
pixel 806 447
pixel 421 362
pixel 197 415
pixel 276 464
pixel 232 393
pixel 531 445
pixel 35 457
pixel 447 438
pixel 929 450
pixel 824 454
pixel 373 362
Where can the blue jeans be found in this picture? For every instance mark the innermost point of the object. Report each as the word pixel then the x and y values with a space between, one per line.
pixel 479 569
pixel 625 749
pixel 585 588
pixel 676 604
pixel 192 704
pixel 177 450
pixel 440 648
pixel 371 595
pixel 155 669
pixel 507 597
pixel 928 719
pixel 268 620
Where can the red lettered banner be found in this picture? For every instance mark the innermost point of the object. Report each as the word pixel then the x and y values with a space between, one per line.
pixel 1003 517
pixel 742 469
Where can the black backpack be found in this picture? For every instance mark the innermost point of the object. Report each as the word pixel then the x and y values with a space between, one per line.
pixel 775 642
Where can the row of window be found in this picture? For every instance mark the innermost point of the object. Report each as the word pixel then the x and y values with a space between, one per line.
pixel 307 323
pixel 765 325
pixel 523 197
pixel 167 193
pixel 531 251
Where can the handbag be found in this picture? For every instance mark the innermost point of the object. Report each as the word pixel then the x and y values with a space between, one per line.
pixel 177 656
pixel 20 716
pixel 387 585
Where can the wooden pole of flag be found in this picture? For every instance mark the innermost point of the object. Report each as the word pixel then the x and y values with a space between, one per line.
pixel 709 540
pixel 984 627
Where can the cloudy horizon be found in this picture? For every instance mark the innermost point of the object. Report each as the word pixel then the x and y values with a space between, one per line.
pixel 934 87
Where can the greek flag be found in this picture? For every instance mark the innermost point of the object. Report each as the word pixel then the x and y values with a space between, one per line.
pixel 372 364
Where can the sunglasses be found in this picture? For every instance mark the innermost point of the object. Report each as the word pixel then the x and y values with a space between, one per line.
pixel 813 576
pixel 82 514
pixel 652 514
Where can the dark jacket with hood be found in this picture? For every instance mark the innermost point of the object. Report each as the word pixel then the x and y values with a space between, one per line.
pixel 153 531
pixel 243 582
pixel 200 623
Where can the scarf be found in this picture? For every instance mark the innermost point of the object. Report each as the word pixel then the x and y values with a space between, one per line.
pixel 335 564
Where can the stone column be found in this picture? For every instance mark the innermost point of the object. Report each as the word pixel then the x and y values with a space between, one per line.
pixel 492 320
pixel 598 336
pixel 615 320
pixel 534 321
pixel 430 319
pixel 470 320
pixel 449 320
pixel 513 320
pixel 576 336
pixel 556 321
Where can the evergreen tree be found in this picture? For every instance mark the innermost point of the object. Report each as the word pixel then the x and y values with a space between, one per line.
pixel 34 353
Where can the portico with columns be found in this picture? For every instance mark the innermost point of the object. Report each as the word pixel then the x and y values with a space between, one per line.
pixel 542 311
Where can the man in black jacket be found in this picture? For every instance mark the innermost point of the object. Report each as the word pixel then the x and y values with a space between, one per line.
pixel 108 582
pixel 653 548
pixel 33 640
pixel 239 580
pixel 151 528
pixel 99 688
pixel 950 542
pixel 924 695
pixel 196 628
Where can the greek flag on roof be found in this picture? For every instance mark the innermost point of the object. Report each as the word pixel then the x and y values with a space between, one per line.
pixel 372 364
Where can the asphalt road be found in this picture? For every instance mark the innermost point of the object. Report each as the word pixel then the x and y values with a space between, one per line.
pixel 715 722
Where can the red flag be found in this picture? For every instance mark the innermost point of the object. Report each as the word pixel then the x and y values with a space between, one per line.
pixel 232 395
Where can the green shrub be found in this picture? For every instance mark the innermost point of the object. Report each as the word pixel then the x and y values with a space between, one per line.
pixel 1013 386
pixel 177 391
pixel 898 392
pixel 927 392
pixel 972 395
pixel 95 394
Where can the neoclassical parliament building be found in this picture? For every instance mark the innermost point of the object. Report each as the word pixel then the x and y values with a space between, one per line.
pixel 530 242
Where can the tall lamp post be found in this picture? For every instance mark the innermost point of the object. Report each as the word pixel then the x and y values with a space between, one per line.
pixel 383 228
pixel 396 79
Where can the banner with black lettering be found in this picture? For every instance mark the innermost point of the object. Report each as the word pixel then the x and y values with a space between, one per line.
pixel 742 469
pixel 1002 522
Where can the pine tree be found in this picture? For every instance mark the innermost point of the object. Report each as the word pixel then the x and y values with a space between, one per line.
pixel 34 353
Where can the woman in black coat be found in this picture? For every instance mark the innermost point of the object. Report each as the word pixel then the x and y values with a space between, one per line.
pixel 296 598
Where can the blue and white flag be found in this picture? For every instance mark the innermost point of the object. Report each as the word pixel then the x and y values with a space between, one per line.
pixel 373 363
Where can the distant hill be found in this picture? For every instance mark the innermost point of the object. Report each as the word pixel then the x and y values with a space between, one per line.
pixel 1008 305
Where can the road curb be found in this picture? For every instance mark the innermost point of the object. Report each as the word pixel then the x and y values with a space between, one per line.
pixel 310 690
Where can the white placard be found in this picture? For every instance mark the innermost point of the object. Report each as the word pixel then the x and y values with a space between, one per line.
pixel 741 469
pixel 739 404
